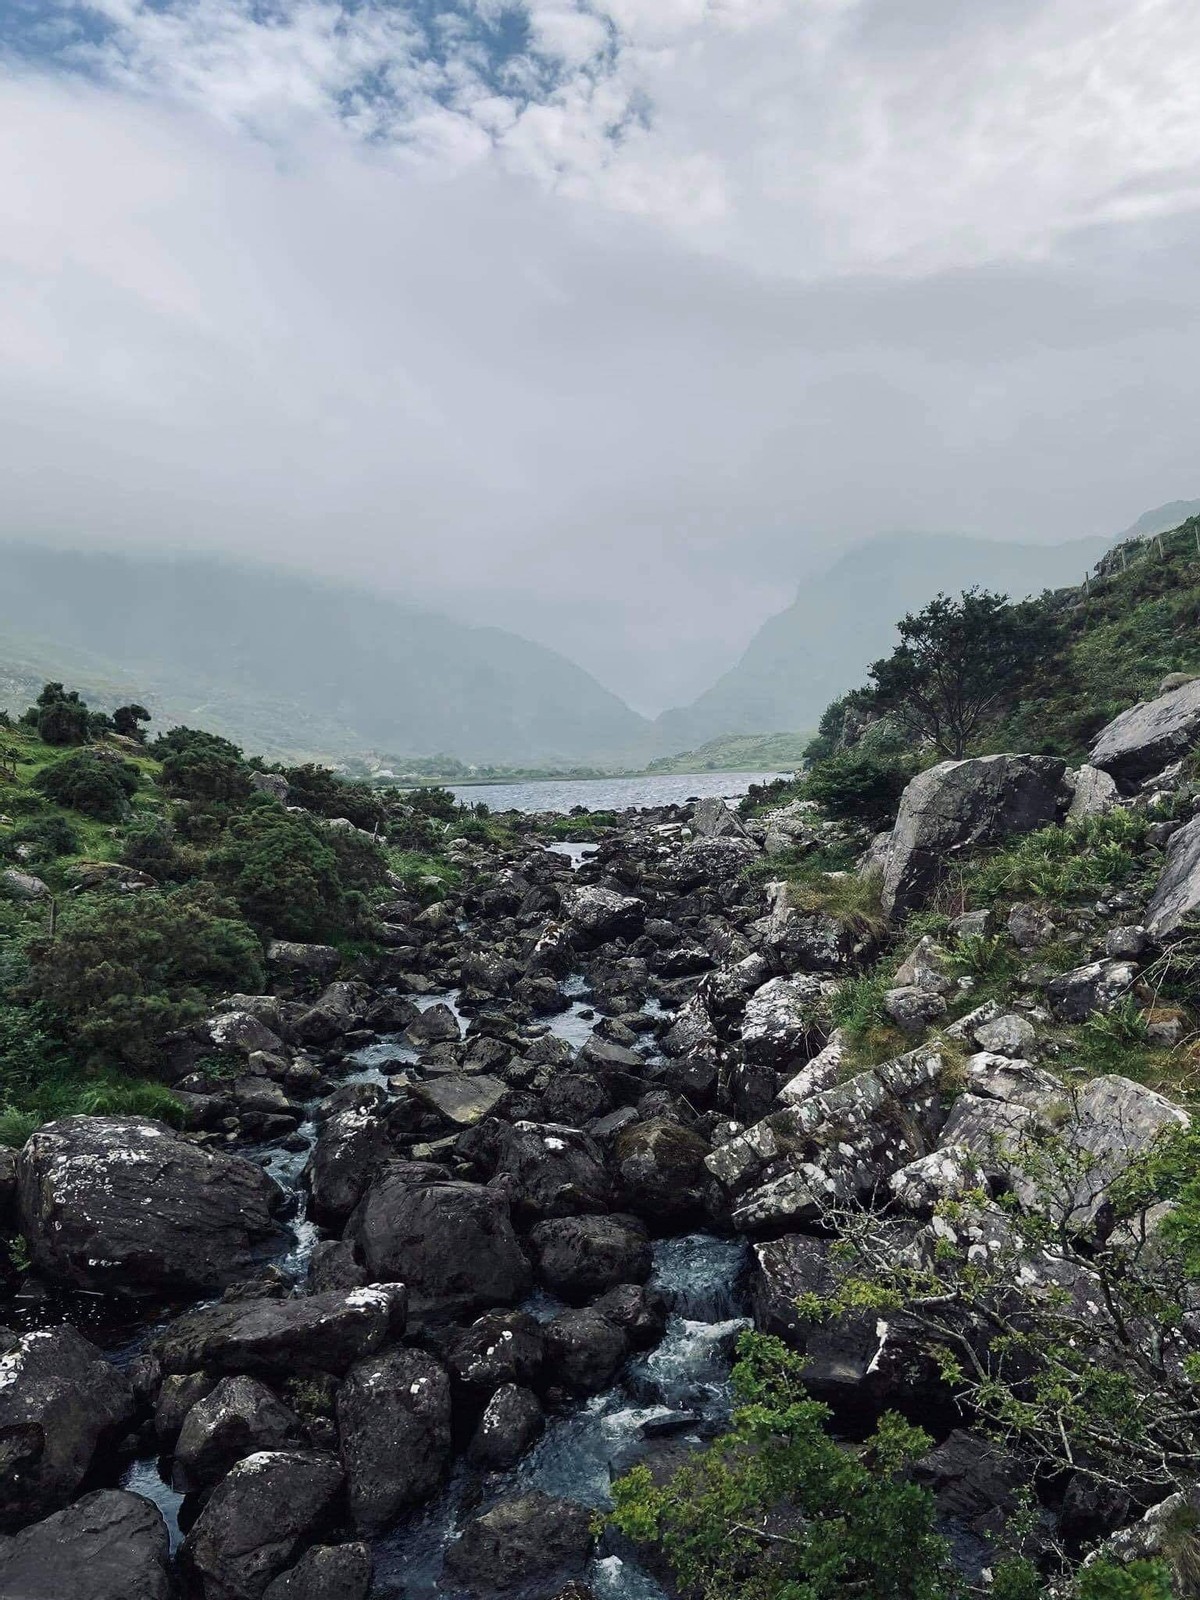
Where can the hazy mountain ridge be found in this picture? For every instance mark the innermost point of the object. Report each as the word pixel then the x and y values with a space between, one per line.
pixel 841 621
pixel 294 665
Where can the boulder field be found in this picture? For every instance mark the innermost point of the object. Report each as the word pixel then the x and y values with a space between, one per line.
pixel 481 1140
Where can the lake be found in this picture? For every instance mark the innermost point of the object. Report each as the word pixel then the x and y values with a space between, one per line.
pixel 610 794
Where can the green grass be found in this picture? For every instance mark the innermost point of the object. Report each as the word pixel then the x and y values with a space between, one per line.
pixel 852 901
pixel 1079 860
pixel 410 866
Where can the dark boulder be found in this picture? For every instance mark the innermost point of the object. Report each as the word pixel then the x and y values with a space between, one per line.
pixel 1150 735
pixel 511 1422
pixel 528 1539
pixel 258 1522
pixel 660 1171
pixel 125 1206
pixel 326 1572
pixel 277 1338
pixel 503 1347
pixel 107 1546
pixel 233 1420
pixel 393 1415
pixel 350 1148
pixel 578 1257
pixel 452 1244
pixel 556 1171
pixel 61 1402
pixel 584 1350
pixel 595 915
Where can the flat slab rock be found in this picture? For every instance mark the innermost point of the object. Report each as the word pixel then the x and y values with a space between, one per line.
pixel 1150 735
pixel 276 1338
pixel 462 1099
pixel 124 1206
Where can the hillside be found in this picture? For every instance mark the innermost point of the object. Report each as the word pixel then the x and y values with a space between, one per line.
pixel 291 665
pixel 839 623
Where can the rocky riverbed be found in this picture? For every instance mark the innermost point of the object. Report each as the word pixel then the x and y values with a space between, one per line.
pixel 459 1232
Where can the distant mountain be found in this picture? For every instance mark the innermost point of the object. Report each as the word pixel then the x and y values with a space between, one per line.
pixel 293 665
pixel 841 621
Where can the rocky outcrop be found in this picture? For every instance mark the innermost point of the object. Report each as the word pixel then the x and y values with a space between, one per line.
pixel 393 1414
pixel 107 1546
pixel 125 1206
pixel 958 805
pixel 235 1419
pixel 60 1403
pixel 1150 735
pixel 577 1257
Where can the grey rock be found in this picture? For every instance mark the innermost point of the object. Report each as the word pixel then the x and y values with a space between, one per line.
pixel 501 1347
pixel 1128 943
pixel 1177 892
pixel 61 1402
pixel 960 804
pixel 660 1170
pixel 259 1520
pixel 972 924
pixel 782 1022
pixel 326 1572
pixel 393 1415
pixel 946 1174
pixel 236 1418
pixel 913 1009
pixel 512 1421
pixel 1008 1035
pixel 303 960
pixel 1029 926
pixel 1112 1120
pixel 523 1540
pixel 22 885
pixel 241 1033
pixel 339 1009
pixel 712 819
pixel 437 1024
pixel 556 1171
pixel 351 1146
pixel 584 1350
pixel 1094 794
pixel 278 1338
pixel 125 1206
pixel 598 915
pixel 461 1099
pixel 1144 739
pixel 108 1546
pixel 452 1244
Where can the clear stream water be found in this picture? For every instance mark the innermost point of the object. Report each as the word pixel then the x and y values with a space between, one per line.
pixel 610 794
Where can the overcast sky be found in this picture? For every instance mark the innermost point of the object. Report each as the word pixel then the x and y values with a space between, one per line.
pixel 608 320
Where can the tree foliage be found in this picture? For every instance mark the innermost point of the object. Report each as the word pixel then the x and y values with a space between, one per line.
pixel 956 662
pixel 329 795
pixel 95 785
pixel 293 877
pixel 202 767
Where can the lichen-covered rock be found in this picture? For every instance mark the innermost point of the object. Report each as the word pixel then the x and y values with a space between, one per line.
pixel 501 1347
pixel 60 1403
pixel 1150 735
pixel 108 1546
pixel 1177 892
pixel 597 915
pixel 960 804
pixel 124 1206
pixel 511 1422
pixel 1095 987
pixel 782 1024
pixel 660 1170
pixel 577 1257
pixel 236 1418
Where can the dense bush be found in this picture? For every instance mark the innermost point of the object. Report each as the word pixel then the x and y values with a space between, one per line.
pixel 95 785
pixel 123 971
pixel 433 802
pixel 202 767
pixel 60 717
pixel 861 785
pixel 285 872
pixel 317 789
pixel 41 839
pixel 149 846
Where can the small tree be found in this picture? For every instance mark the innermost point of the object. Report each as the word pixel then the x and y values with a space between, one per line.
pixel 956 662
pixel 127 722
pixel 90 784
pixel 60 716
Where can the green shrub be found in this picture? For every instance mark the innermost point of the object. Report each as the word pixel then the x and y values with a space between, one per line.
pixel 855 1525
pixel 94 785
pixel 59 716
pixel 45 838
pixel 123 971
pixel 283 870
pixel 861 785
pixel 433 801
pixel 1079 859
pixel 149 846
pixel 201 767
pixel 328 795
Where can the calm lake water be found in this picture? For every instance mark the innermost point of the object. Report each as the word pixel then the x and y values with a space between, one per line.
pixel 611 794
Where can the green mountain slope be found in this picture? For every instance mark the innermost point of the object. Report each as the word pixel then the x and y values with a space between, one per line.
pixel 839 623
pixel 287 664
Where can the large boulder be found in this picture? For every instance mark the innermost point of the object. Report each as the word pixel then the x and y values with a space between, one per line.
pixel 60 1403
pixel 512 1420
pixel 122 1205
pixel 712 819
pixel 1177 892
pixel 1111 1121
pixel 781 1026
pixel 350 1148
pixel 259 1520
pixel 578 1257
pixel 498 1348
pixel 273 1339
pixel 598 915
pixel 233 1420
pixel 453 1244
pixel 958 805
pixel 660 1171
pixel 393 1415
pixel 1150 735
pixel 108 1546
pixel 584 1350
pixel 555 1171
pixel 526 1539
